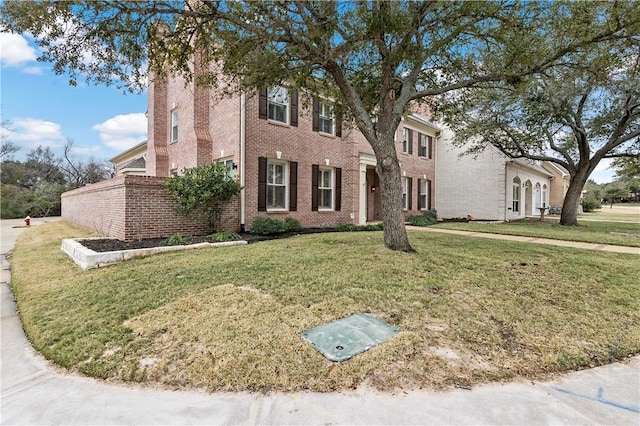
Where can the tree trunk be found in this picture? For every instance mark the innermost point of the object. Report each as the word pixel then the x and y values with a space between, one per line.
pixel 569 215
pixel 388 169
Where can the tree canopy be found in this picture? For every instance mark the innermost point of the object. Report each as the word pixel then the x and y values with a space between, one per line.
pixel 375 58
pixel 575 114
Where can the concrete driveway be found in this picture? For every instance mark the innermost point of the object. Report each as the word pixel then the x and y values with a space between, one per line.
pixel 35 392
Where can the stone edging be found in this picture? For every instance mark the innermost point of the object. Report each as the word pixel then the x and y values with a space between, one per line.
pixel 90 259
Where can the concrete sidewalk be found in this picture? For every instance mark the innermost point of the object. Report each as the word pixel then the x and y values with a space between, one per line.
pixel 534 240
pixel 34 392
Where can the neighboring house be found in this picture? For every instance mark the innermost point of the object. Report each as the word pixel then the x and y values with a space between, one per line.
pixel 559 183
pixel 131 161
pixel 489 185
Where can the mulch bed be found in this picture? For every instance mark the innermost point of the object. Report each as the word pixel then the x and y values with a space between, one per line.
pixel 108 244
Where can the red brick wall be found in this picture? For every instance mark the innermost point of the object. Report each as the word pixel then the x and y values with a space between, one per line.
pixel 135 207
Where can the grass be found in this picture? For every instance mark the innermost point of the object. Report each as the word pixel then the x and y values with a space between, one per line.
pixel 627 212
pixel 615 233
pixel 469 310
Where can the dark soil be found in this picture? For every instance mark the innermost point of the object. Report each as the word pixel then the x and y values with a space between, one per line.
pixel 108 244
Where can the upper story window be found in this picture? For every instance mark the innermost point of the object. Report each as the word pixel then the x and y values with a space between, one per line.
pixel 325 112
pixel 405 140
pixel 425 147
pixel 278 102
pixel 174 125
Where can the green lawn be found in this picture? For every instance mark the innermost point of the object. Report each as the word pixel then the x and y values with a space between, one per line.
pixel 616 233
pixel 469 311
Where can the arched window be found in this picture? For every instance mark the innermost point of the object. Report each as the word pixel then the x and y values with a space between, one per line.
pixel 538 196
pixel 544 196
pixel 515 197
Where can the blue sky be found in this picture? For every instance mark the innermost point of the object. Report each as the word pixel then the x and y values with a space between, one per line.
pixel 41 108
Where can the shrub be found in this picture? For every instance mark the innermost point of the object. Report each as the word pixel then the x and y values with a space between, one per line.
pixel 266 225
pixel 202 191
pixel 425 219
pixel 292 224
pixel 222 237
pixel 347 227
pixel 590 204
pixel 177 240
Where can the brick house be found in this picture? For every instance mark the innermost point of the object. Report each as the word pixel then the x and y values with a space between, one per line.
pixel 291 152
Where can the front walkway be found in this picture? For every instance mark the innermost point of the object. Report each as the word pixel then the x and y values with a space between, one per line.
pixel 535 240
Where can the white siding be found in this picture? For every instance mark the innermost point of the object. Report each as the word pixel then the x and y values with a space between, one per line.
pixel 468 185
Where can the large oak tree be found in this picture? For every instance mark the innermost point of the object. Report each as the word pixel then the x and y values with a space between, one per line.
pixel 575 115
pixel 373 57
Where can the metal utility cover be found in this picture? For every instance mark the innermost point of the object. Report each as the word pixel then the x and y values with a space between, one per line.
pixel 342 339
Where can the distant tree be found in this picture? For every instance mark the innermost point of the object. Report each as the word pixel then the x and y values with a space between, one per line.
pixel 42 165
pixel 203 191
pixel 80 173
pixel 374 58
pixel 574 115
pixel 7 147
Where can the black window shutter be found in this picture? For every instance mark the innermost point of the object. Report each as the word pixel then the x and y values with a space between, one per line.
pixel 316 114
pixel 409 192
pixel 420 206
pixel 262 184
pixel 429 194
pixel 338 114
pixel 430 147
pixel 338 200
pixel 410 143
pixel 293 186
pixel 315 170
pixel 262 101
pixel 293 119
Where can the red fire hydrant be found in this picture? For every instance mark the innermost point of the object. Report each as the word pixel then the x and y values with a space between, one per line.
pixel 27 221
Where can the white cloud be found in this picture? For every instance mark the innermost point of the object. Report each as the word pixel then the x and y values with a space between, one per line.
pixel 123 131
pixel 33 132
pixel 15 50
pixel 602 173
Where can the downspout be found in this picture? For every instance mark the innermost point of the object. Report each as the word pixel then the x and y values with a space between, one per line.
pixel 243 135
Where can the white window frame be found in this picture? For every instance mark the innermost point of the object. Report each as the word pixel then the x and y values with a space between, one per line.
pixel 326 115
pixel 424 193
pixel 228 162
pixel 516 195
pixel 277 97
pixel 272 185
pixel 174 125
pixel 423 145
pixel 405 193
pixel 405 140
pixel 322 187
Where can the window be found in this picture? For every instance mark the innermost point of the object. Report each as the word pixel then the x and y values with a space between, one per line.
pixel 325 111
pixel 426 142
pixel 424 195
pixel 325 189
pixel 228 163
pixel 405 193
pixel 515 203
pixel 174 126
pixel 278 101
pixel 276 186
pixel 405 140
pixel 544 196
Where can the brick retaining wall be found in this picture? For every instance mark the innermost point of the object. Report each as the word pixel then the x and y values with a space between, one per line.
pixel 135 207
